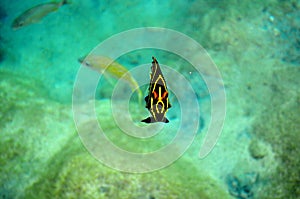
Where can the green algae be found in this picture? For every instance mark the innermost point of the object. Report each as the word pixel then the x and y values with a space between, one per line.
pixel 75 174
pixel 279 125
pixel 27 131
pixel 8 86
pixel 44 158
pixel 11 153
pixel 257 149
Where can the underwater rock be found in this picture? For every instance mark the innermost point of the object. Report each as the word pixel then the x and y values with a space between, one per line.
pixel 279 126
pixel 32 130
pixel 257 149
pixel 13 90
pixel 6 194
pixel 81 176
pixel 44 158
pixel 61 92
pixel 241 186
pixel 285 25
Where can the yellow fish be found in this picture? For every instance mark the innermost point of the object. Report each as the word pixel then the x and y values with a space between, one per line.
pixel 114 69
pixel 35 14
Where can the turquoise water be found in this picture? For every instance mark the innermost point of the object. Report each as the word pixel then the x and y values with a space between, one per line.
pixel 49 146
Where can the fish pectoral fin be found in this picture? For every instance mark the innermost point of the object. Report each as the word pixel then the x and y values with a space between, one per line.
pixel 147 120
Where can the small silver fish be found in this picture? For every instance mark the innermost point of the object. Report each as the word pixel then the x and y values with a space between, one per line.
pixel 35 14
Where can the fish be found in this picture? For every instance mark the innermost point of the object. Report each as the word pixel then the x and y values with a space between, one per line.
pixel 36 13
pixel 105 65
pixel 157 100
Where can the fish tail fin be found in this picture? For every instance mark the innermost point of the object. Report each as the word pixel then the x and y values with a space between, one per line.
pixel 147 120
pixel 151 120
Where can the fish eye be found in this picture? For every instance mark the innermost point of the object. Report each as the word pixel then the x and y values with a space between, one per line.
pixel 87 64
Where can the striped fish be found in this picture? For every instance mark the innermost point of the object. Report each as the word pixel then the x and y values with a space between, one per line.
pixel 157 101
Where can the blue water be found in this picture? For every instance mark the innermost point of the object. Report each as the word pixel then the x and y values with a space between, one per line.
pixel 255 49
